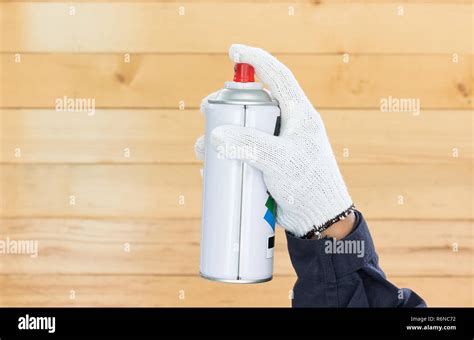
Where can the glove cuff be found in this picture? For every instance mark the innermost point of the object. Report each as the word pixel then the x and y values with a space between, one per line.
pixel 317 230
pixel 316 216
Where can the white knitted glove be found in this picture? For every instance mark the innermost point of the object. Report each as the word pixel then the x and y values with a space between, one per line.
pixel 299 166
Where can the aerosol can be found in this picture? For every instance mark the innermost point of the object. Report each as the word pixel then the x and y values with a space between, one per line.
pixel 238 215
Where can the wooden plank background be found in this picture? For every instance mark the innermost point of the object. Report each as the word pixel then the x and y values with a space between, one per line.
pixel 148 105
pixel 204 27
pixel 163 80
pixel 150 135
pixel 141 190
pixel 96 246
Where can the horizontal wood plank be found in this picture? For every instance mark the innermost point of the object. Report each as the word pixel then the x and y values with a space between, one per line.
pixel 110 136
pixel 168 81
pixel 171 247
pixel 267 1
pixel 169 191
pixel 185 291
pixel 204 27
pixel 168 136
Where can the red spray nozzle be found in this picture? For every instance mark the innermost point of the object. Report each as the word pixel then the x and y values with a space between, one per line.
pixel 244 73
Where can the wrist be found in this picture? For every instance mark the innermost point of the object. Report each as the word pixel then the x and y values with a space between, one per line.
pixel 318 232
pixel 341 228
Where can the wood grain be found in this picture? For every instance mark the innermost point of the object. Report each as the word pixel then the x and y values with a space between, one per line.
pixel 165 80
pixel 136 200
pixel 165 291
pixel 321 28
pixel 37 190
pixel 171 247
pixel 268 1
pixel 168 136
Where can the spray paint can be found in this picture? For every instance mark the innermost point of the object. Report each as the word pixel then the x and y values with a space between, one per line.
pixel 238 214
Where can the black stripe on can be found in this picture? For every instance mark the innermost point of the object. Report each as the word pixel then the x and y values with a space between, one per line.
pixel 276 132
pixel 271 242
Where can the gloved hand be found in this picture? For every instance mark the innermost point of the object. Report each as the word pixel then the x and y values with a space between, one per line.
pixel 298 166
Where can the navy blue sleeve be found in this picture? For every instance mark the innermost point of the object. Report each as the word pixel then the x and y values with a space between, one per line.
pixel 344 273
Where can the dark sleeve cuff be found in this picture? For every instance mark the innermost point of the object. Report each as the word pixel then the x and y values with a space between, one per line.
pixel 327 260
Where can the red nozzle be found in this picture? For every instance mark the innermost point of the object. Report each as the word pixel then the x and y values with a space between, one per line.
pixel 244 73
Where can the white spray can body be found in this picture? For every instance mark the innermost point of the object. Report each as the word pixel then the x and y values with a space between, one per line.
pixel 238 215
